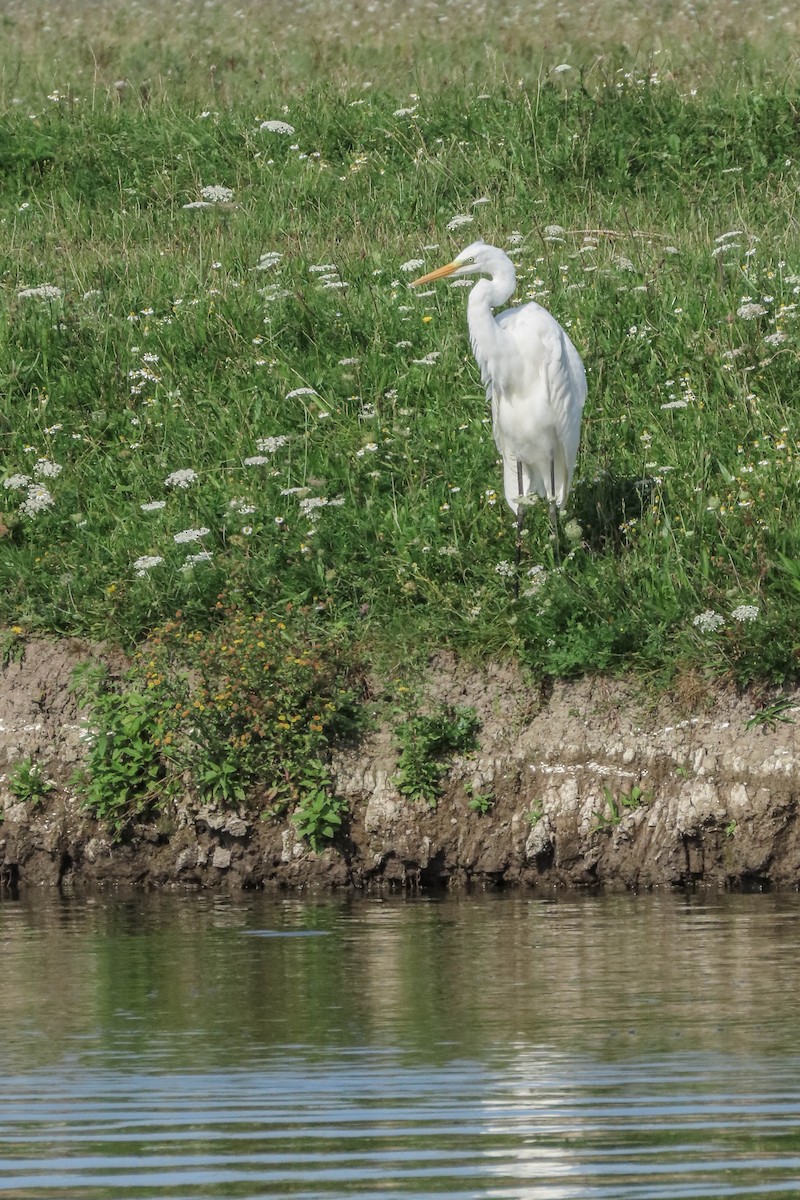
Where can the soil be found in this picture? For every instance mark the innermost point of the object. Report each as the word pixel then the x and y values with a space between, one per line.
pixel 589 788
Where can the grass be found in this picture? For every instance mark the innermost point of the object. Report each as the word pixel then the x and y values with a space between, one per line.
pixel 650 201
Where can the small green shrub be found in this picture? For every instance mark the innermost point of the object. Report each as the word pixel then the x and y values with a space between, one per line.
pixel 245 712
pixel 427 743
pixel 615 807
pixel 319 815
pixel 27 783
pixel 125 772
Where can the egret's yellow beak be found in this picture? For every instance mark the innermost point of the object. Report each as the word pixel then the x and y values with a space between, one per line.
pixel 439 273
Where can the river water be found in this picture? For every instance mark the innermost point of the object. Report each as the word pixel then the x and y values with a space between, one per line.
pixel 619 1047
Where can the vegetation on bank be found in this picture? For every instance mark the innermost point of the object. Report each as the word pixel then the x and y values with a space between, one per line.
pixel 215 380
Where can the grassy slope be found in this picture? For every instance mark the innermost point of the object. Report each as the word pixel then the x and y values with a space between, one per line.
pixel 170 350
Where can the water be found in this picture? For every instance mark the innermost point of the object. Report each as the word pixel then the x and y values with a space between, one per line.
pixel 620 1048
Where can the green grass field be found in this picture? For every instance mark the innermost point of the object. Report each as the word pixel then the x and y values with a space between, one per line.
pixel 215 379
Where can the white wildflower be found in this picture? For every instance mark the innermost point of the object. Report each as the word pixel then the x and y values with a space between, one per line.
pixel 190 535
pixel 749 311
pixel 216 193
pixel 192 559
pixel 45 468
pixel 348 362
pixel 301 391
pixel 268 445
pixel 561 68
pixel 370 448
pixel 405 112
pixel 413 264
pixel 45 291
pixel 708 621
pixel 725 237
pixel 505 568
pixel 256 460
pixel 153 505
pixel 17 482
pixel 554 230
pixel 676 404
pixel 536 579
pixel 146 563
pixel 428 360
pixel 624 263
pixel 37 500
pixel 191 204
pixel 458 220
pixel 181 479
pixel 270 259
pixel 776 338
pixel 277 127
pixel 745 612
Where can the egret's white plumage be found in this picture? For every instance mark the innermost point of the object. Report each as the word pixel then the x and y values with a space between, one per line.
pixel 534 379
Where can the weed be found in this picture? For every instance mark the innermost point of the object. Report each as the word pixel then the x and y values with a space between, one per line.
pixel 480 802
pixel 534 814
pixel 244 712
pixel 27 783
pixel 319 814
pixel 773 714
pixel 427 743
pixel 730 828
pixel 616 807
pixel 125 774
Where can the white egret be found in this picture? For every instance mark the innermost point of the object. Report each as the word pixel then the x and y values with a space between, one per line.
pixel 534 379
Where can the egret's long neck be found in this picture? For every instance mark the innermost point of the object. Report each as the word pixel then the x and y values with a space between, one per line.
pixel 484 296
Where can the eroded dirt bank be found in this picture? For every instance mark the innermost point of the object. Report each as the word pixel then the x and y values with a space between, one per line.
pixel 720 799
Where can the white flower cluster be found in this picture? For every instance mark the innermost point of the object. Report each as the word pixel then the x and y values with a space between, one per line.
pixel 190 535
pixel 146 563
pixel 216 193
pixel 458 220
pixel 277 126
pixel 270 259
pixel 745 612
pixel 268 445
pixel 153 505
pixel 748 312
pixel 181 479
pixel 708 621
pixel 413 264
pixel 37 500
pixel 45 291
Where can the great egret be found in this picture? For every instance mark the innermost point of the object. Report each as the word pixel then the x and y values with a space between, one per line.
pixel 534 379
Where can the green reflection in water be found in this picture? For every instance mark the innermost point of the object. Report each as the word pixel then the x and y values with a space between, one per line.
pixel 191 980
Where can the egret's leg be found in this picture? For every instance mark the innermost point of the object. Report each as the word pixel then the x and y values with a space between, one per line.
pixel 554 511
pixel 520 519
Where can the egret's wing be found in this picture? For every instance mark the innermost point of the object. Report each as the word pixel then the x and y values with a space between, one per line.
pixel 543 368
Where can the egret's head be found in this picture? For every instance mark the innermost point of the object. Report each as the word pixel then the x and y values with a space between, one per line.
pixel 476 259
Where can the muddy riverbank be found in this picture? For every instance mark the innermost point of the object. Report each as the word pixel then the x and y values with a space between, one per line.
pixel 585 786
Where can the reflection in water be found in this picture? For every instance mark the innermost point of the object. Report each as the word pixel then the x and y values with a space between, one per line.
pixel 630 1048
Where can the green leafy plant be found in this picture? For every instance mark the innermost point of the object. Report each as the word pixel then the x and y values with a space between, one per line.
pixel 319 814
pixel 125 772
pixel 480 802
pixel 27 783
pixel 427 743
pixel 534 814
pixel 616 807
pixel 245 712
pixel 773 714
